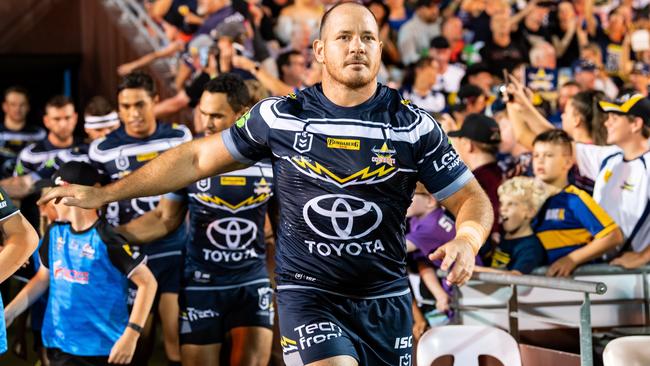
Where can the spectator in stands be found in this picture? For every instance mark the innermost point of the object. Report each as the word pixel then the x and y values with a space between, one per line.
pixel 542 55
pixel 505 49
pixel 640 78
pixel 416 34
pixel 621 173
pixel 610 39
pixel 565 92
pixel 390 53
pixel 418 86
pixel 398 14
pixel 470 100
pixel 564 35
pixel 452 30
pixel 477 143
pixel 478 74
pixel 519 251
pixel 572 227
pixel 592 53
pixel 292 67
pixel 449 75
pixel 429 228
pixel 301 14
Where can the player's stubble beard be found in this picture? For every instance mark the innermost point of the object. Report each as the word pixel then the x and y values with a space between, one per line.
pixel 358 80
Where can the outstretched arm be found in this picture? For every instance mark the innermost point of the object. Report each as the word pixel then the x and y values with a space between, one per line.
pixel 173 170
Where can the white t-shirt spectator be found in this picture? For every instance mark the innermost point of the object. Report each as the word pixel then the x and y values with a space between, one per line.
pixel 414 38
pixel 621 188
pixel 449 81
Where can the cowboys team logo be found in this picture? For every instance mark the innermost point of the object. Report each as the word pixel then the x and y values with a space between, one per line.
pixel 203 185
pixel 383 155
pixel 341 217
pixel 303 141
pixel 232 233
pixel 262 187
pixel 122 163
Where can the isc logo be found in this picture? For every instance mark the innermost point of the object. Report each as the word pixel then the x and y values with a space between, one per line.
pixel 404 342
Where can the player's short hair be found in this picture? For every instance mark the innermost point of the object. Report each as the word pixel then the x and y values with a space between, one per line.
pixel 234 87
pixel 58 101
pixel 16 89
pixel 528 190
pixel 326 16
pixel 556 137
pixel 138 80
pixel 98 106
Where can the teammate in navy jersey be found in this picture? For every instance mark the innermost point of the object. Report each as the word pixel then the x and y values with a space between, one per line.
pixel 15 133
pixel 99 120
pixel 346 156
pixel 141 139
pixel 85 266
pixel 226 287
pixel 19 240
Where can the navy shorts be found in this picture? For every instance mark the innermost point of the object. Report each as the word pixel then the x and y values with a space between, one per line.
pixel 209 311
pixel 315 325
pixel 167 268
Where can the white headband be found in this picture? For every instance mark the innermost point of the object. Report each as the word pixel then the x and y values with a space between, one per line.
pixel 96 122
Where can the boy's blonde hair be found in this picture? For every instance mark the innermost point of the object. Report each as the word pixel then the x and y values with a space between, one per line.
pixel 529 190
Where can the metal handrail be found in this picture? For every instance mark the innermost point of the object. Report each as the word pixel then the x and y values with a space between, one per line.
pixel 565 284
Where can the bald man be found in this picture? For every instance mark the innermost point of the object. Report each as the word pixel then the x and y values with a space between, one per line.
pixel 346 156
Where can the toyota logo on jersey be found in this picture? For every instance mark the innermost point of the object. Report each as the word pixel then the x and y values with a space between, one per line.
pixel 232 233
pixel 341 217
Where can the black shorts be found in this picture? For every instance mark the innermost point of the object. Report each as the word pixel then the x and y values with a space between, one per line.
pixel 209 311
pixel 315 325
pixel 167 268
pixel 60 358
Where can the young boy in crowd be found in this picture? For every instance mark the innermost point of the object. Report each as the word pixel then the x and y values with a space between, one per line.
pixel 429 228
pixel 572 227
pixel 85 265
pixel 519 251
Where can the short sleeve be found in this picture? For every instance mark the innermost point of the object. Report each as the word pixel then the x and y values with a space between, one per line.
pixel 591 215
pixel 44 249
pixel 248 139
pixel 119 251
pixel 7 207
pixel 589 158
pixel 527 255
pixel 440 168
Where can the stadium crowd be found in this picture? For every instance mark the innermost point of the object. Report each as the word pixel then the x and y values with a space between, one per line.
pixel 545 102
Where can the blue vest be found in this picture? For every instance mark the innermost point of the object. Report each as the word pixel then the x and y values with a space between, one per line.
pixel 87 306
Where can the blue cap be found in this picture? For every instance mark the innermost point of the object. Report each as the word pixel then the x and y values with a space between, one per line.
pixel 583 65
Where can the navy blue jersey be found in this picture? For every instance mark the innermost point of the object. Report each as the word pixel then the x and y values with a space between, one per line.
pixel 7 209
pixel 86 310
pixel 119 154
pixel 77 153
pixel 344 178
pixel 39 156
pixel 12 142
pixel 227 215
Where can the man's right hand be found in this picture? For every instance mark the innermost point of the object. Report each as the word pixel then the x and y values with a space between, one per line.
pixel 76 195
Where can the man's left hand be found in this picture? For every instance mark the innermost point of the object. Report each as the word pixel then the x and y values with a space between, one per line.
pixel 459 253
